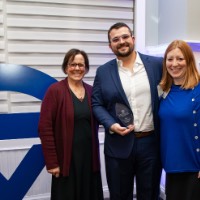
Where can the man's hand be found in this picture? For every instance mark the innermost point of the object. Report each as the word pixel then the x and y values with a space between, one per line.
pixel 116 128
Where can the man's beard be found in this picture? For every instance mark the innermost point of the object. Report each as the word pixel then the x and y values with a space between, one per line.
pixel 124 54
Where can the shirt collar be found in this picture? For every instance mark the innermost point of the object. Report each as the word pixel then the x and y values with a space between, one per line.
pixel 138 61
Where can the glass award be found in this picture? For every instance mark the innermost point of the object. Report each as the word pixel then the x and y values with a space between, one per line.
pixel 124 114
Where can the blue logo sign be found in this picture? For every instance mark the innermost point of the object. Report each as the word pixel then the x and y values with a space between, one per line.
pixel 29 81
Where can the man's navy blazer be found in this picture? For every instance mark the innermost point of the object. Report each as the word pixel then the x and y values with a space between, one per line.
pixel 108 90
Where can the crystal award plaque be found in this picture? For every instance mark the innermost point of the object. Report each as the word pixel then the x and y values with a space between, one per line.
pixel 124 114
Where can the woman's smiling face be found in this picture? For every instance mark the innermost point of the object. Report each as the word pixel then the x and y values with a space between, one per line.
pixel 76 68
pixel 176 65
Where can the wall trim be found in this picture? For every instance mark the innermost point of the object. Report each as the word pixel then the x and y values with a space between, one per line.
pixel 160 49
pixel 195 46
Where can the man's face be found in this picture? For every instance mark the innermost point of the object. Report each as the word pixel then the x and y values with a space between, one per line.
pixel 121 42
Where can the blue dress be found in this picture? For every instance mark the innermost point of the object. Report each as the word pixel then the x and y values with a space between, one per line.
pixel 180 130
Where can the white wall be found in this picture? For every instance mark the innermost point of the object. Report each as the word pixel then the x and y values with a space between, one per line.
pixel 172 20
pixel 193 25
pixel 158 22
pixel 152 21
pixel 162 21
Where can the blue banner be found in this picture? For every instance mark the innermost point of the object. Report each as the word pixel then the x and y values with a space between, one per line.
pixel 32 82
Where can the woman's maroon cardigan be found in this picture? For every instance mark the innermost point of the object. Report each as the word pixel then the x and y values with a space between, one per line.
pixel 56 127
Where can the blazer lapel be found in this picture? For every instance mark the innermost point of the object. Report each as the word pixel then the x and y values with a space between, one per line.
pixel 149 69
pixel 116 79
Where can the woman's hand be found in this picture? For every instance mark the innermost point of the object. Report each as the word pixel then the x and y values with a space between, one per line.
pixel 198 174
pixel 55 172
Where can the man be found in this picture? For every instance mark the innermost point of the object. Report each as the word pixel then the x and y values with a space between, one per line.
pixel 129 83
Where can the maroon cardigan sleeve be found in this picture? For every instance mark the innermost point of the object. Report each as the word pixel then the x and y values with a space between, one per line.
pixel 46 128
pixel 56 126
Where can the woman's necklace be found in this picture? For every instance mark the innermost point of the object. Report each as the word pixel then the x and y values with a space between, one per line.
pixel 79 91
pixel 80 98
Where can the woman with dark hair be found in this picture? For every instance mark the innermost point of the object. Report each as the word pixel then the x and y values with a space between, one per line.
pixel 69 134
pixel 180 122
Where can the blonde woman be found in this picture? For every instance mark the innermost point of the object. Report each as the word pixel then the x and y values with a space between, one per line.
pixel 180 122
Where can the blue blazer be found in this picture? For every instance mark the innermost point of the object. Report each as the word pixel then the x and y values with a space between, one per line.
pixel 108 90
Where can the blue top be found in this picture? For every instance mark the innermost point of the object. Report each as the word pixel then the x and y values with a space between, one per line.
pixel 180 130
